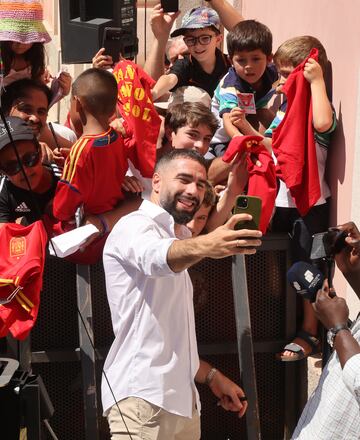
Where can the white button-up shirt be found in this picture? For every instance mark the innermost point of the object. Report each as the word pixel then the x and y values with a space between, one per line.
pixel 333 410
pixel 154 355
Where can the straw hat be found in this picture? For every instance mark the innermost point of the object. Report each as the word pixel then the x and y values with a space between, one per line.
pixel 21 21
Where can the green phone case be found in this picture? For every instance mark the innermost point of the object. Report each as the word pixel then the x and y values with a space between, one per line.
pixel 248 205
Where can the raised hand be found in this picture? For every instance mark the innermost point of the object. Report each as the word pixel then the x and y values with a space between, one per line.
pixel 313 71
pixel 102 61
pixel 161 22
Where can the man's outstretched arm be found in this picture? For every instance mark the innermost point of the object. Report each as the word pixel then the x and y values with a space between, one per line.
pixel 222 242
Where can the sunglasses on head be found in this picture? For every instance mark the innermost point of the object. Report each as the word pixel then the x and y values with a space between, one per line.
pixel 28 160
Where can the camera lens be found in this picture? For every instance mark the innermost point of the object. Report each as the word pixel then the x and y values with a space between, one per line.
pixel 243 202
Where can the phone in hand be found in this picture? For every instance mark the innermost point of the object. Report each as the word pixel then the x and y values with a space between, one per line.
pixel 119 42
pixel 248 205
pixel 170 5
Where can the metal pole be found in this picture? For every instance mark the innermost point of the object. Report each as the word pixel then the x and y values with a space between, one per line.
pixel 245 345
pixel 87 352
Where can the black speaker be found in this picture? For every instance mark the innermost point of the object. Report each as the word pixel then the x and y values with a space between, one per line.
pixel 82 27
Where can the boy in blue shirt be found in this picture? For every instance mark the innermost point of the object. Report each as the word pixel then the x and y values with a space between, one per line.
pixel 249 84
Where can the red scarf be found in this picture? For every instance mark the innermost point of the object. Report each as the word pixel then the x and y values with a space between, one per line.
pixel 21 269
pixel 262 179
pixel 137 109
pixel 294 144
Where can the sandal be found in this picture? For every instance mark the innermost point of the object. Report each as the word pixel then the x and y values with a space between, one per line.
pixel 298 349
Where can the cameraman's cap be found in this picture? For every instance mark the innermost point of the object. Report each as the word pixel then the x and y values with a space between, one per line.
pixel 198 18
pixel 19 129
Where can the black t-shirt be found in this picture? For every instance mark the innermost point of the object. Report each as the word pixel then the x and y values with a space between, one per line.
pixel 16 202
pixel 190 73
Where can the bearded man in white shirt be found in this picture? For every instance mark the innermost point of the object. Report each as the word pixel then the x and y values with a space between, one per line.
pixel 148 389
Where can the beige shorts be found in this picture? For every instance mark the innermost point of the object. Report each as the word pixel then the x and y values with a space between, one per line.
pixel 145 421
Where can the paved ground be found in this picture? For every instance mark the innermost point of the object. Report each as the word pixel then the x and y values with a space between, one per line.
pixel 314 372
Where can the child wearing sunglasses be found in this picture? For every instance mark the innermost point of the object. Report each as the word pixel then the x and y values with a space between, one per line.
pixel 206 64
pixel 17 201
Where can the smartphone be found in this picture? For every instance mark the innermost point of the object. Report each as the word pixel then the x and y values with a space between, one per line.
pixel 170 5
pixel 248 205
pixel 117 41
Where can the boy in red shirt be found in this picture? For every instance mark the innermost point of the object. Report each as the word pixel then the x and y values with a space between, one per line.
pixel 95 168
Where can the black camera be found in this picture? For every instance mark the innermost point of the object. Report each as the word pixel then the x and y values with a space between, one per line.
pixel 327 244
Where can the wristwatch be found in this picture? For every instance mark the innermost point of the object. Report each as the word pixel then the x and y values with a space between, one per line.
pixel 332 332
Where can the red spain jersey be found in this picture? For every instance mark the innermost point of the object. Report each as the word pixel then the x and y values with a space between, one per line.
pixel 93 174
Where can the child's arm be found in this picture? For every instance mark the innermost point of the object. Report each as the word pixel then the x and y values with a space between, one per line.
pixel 161 24
pixel 229 16
pixel 110 218
pixel 164 84
pixel 236 182
pixel 132 184
pixel 130 204
pixel 75 185
pixel 66 201
pixel 218 171
pixel 238 119
pixel 322 110
pixel 230 128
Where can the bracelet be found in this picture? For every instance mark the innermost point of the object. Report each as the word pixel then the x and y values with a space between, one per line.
pixel 210 376
pixel 103 224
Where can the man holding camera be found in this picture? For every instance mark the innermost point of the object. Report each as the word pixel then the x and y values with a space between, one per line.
pixel 333 411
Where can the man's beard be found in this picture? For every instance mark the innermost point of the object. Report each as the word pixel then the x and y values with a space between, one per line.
pixel 180 217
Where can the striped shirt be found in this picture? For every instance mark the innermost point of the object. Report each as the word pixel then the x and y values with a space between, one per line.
pixel 93 174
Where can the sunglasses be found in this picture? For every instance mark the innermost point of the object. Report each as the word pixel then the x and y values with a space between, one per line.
pixel 13 167
pixel 204 40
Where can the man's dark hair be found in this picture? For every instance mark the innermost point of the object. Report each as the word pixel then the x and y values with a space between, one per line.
pixel 181 153
pixel 249 35
pixel 97 90
pixel 20 89
pixel 190 113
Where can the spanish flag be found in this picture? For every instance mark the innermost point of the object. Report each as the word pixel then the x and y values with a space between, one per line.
pixel 137 109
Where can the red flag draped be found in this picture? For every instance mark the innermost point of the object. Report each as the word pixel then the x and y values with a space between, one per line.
pixel 294 144
pixel 137 109
pixel 262 178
